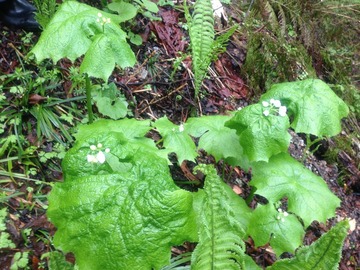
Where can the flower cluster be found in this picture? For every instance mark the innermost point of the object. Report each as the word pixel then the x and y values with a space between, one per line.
pixel 282 215
pixel 97 155
pixel 181 128
pixel 274 106
pixel 102 20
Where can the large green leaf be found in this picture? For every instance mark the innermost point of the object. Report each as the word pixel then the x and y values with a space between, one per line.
pixel 284 177
pixel 122 213
pixel 75 31
pixel 283 231
pixel 314 107
pixel 176 140
pixel 223 220
pixel 325 253
pixel 216 139
pixel 261 136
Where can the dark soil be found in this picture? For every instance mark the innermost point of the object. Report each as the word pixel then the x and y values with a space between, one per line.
pixel 224 90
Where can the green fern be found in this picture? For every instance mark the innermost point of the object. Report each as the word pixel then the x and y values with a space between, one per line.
pixel 223 221
pixel 325 253
pixel 201 31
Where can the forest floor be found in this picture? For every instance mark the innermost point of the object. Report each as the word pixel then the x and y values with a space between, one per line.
pixel 153 94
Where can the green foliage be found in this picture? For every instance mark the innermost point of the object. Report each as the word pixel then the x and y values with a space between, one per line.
pixel 278 38
pixel 130 201
pixel 209 129
pixel 222 227
pixel 316 109
pixel 119 202
pixel 204 47
pixel 45 11
pixel 284 177
pixel 20 260
pixel 325 253
pixel 111 102
pixel 5 241
pixel 282 230
pixel 78 29
pixel 261 136
pixel 202 34
pixel 176 140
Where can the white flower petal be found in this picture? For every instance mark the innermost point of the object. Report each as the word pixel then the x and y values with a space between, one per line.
pixel 266 112
pixel 181 127
pixel 282 111
pixel 265 104
pixel 107 150
pixel 100 157
pixel 92 147
pixel 277 103
pixel 99 145
pixel 90 158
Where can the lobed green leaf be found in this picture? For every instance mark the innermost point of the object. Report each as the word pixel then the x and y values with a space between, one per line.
pixel 74 31
pixel 307 194
pixel 283 232
pixel 123 214
pixel 260 136
pixel 313 106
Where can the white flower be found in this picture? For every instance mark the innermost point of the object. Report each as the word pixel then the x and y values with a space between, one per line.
pixel 100 157
pixel 265 104
pixel 282 110
pixel 107 150
pixel 91 158
pixel 92 147
pixel 181 127
pixel 286 214
pixel 99 145
pixel 277 103
pixel 272 101
pixel 99 15
pixel 266 112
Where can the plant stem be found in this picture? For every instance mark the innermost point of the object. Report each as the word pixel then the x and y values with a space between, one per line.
pixel 88 99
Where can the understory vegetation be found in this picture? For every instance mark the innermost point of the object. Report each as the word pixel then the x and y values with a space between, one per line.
pixel 159 135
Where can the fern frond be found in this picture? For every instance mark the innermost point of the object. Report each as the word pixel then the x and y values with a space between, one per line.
pixel 269 15
pixel 282 20
pixel 220 43
pixel 201 40
pixel 220 244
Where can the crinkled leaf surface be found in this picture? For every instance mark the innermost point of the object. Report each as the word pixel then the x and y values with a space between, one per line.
pixel 74 31
pixel 284 233
pixel 260 136
pixel 123 214
pixel 216 139
pixel 308 195
pixel 176 140
pixel 316 109
pixel 224 218
pixel 325 253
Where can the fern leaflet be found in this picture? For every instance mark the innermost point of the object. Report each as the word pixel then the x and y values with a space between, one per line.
pixel 220 244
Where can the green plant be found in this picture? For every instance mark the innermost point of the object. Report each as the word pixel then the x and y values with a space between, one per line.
pixel 204 47
pixel 78 29
pixel 118 199
pixel 45 10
